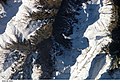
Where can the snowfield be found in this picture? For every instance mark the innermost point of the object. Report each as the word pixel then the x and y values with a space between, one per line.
pixel 85 59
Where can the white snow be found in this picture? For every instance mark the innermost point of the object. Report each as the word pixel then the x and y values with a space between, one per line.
pixel 10 10
pixel 83 60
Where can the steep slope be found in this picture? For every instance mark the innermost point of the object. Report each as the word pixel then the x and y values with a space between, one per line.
pixel 87 58
pixel 30 26
pixel 59 39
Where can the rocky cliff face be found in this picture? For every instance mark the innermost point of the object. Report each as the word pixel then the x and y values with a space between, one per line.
pixel 59 39
pixel 30 26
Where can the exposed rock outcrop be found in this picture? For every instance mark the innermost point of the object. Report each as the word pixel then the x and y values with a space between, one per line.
pixel 60 39
pixel 31 25
pixel 89 59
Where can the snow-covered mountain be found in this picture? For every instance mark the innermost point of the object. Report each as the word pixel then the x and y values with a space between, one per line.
pixel 59 39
